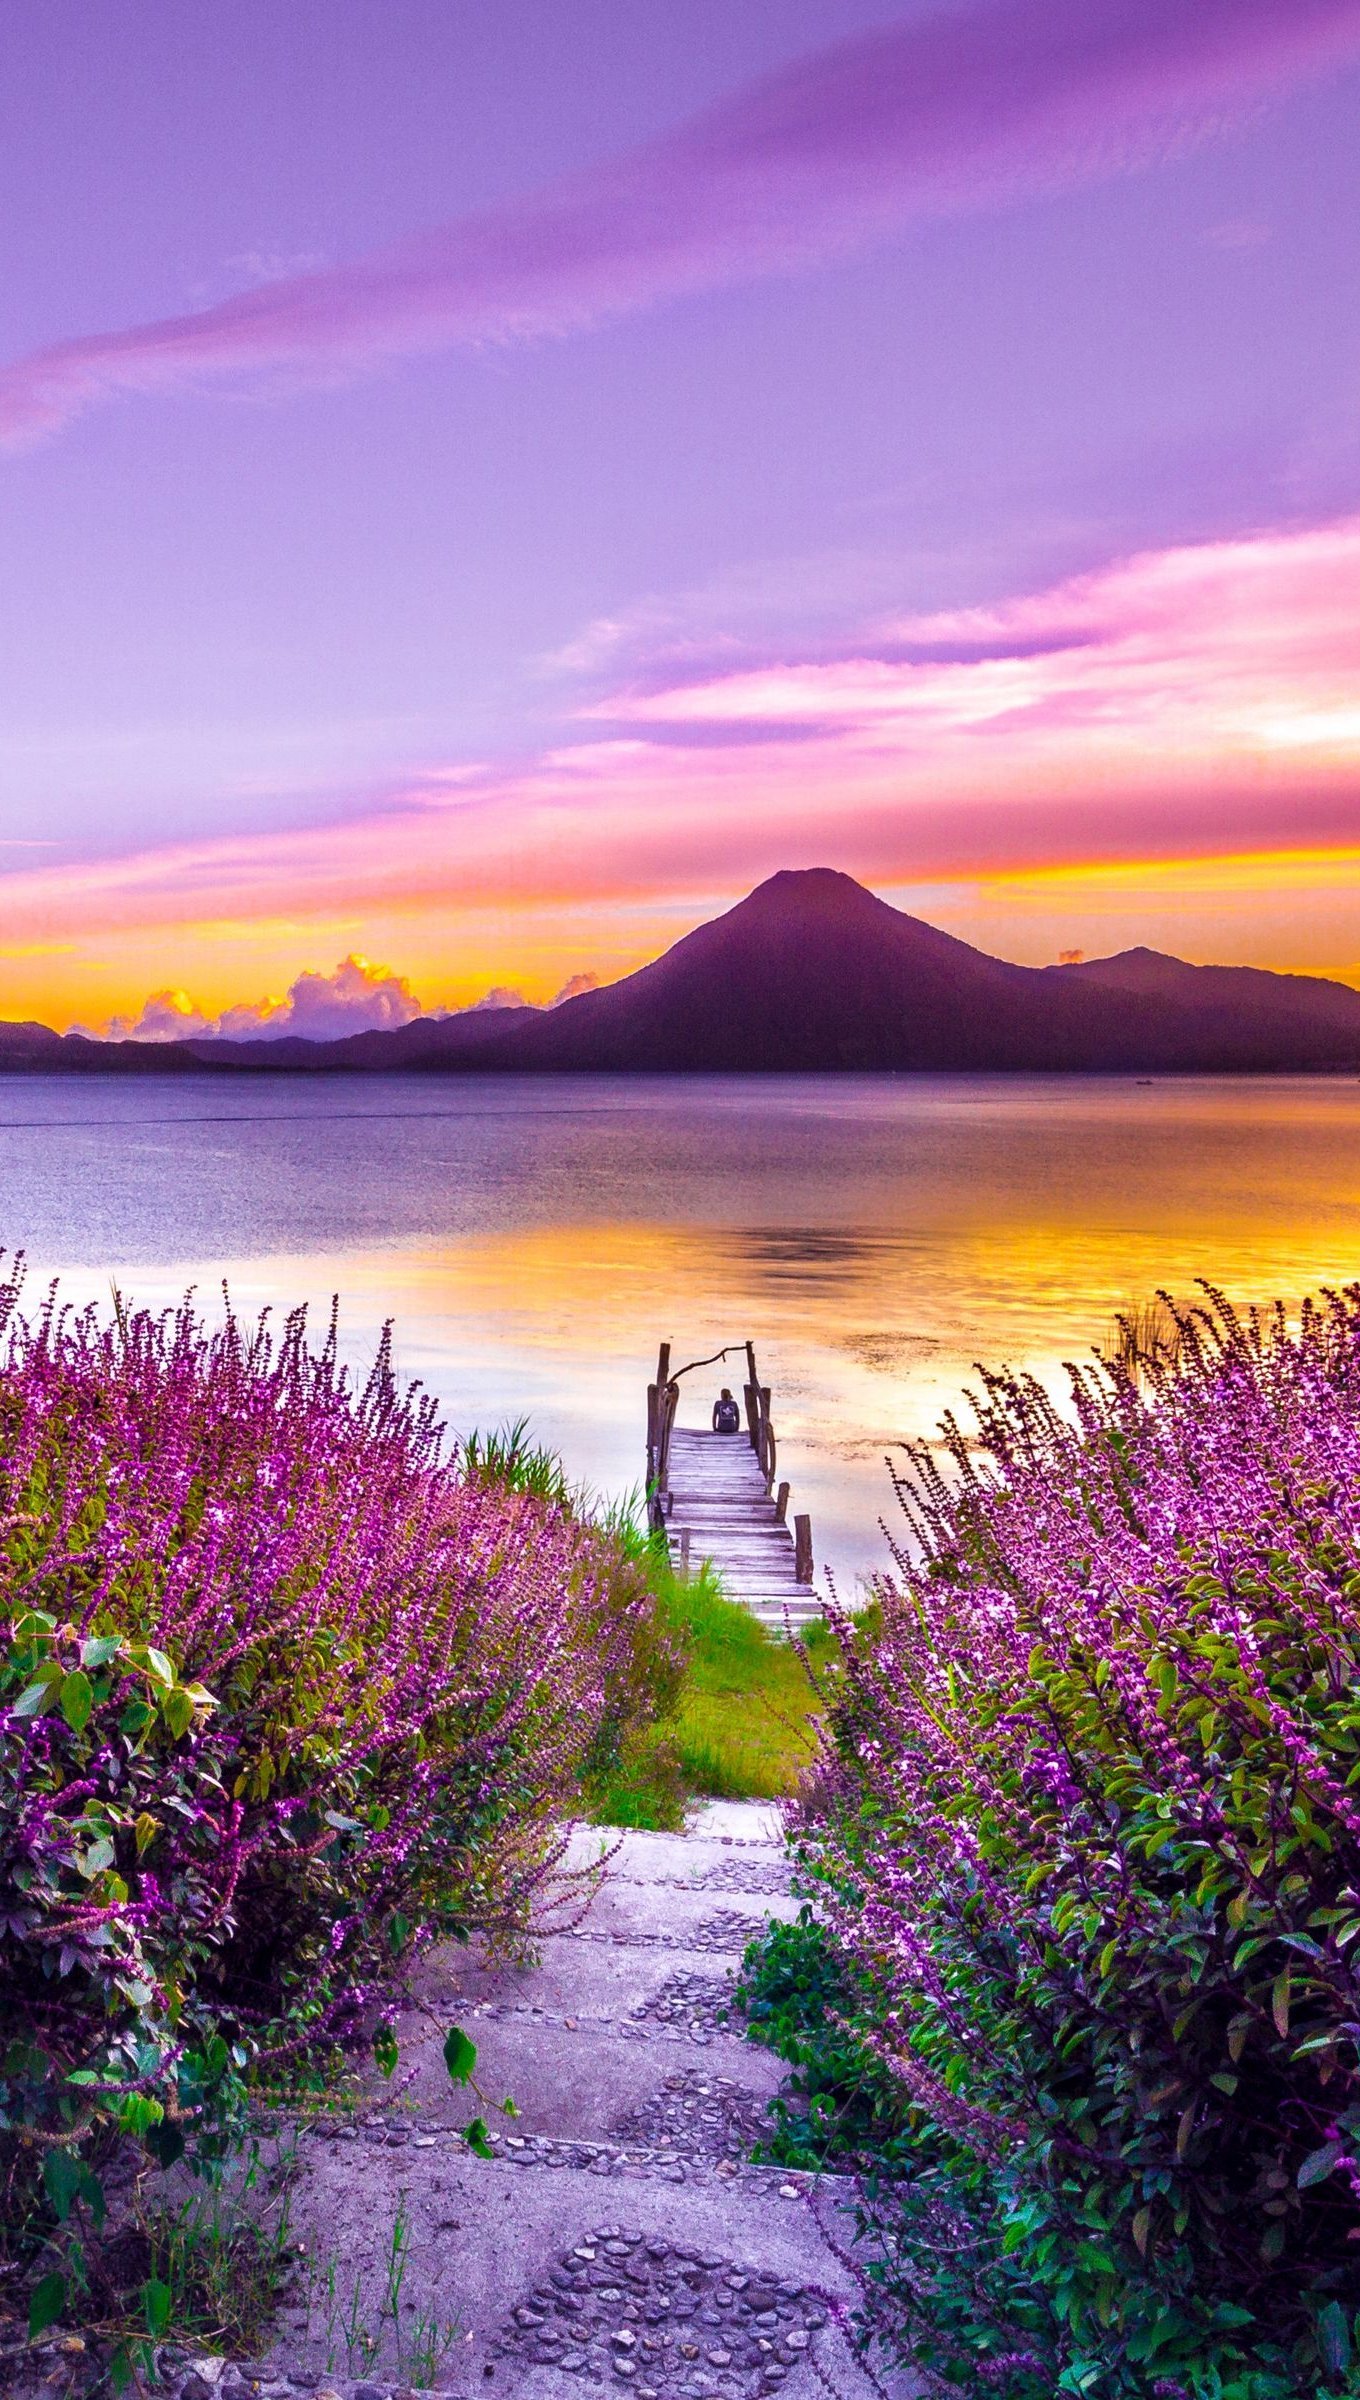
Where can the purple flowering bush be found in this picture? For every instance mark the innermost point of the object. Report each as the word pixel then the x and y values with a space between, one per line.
pixel 280 1697
pixel 1086 1839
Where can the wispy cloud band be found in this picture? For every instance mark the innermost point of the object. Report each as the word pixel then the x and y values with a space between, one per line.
pixel 944 113
pixel 1189 704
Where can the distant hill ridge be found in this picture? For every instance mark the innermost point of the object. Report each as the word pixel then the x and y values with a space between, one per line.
pixel 811 974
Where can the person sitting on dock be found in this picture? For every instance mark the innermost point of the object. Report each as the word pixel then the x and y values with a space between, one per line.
pixel 726 1414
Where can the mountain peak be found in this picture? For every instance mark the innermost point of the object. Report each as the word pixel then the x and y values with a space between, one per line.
pixel 812 974
pixel 799 889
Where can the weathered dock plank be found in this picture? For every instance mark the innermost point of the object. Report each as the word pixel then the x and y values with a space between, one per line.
pixel 719 1507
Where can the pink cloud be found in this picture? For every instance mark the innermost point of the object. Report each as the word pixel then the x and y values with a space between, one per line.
pixel 575 986
pixel 500 996
pixel 934 116
pixel 1185 704
pixel 356 998
pixel 168 1016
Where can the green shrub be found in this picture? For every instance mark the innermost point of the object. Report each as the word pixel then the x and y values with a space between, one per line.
pixel 1088 1843
pixel 281 1698
pixel 839 2108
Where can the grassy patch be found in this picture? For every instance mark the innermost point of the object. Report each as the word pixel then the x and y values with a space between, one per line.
pixel 742 1727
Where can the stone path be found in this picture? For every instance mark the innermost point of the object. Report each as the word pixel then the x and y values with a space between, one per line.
pixel 696 2276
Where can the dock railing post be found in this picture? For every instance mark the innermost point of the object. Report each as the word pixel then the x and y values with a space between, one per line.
pixel 752 1398
pixel 781 1506
pixel 667 1405
pixel 661 1399
pixel 802 1549
pixel 765 1449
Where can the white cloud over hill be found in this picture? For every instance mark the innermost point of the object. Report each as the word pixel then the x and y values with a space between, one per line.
pixel 357 997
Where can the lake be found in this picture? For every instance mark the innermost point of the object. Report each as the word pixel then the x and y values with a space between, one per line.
pixel 533 1240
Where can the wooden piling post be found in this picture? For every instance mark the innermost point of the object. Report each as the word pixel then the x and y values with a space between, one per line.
pixel 781 1506
pixel 802 1549
pixel 684 1553
pixel 765 1446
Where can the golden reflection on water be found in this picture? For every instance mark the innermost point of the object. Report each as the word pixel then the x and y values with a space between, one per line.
pixel 866 1338
pixel 873 1239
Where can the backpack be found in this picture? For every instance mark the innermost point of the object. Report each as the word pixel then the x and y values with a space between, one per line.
pixel 727 1417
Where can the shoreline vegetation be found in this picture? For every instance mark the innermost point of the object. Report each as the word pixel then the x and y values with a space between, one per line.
pixel 739 1724
pixel 1077 1989
pixel 291 1691
pixel 288 1692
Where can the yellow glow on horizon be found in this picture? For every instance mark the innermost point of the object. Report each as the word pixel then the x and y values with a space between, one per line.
pixel 1238 871
pixel 1243 908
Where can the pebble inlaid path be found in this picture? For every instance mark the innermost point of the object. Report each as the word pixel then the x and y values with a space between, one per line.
pixel 710 2277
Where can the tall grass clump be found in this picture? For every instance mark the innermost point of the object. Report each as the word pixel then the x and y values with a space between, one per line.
pixel 1086 1834
pixel 282 1694
pixel 737 1724
pixel 729 1704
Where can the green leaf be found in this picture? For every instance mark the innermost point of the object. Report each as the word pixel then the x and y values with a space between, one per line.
pixel 77 1699
pixel 385 2049
pixel 157 2302
pixel 460 2055
pixel 92 2193
pixel 46 2304
pixel 475 2135
pixel 178 1711
pixel 166 2143
pixel 160 1666
pixel 1279 2003
pixel 138 2112
pixel 1334 2338
pixel 99 1650
pixel 62 2177
pixel 1319 2164
pixel 31 1701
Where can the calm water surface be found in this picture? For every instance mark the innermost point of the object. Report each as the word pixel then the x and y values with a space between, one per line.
pixel 534 1240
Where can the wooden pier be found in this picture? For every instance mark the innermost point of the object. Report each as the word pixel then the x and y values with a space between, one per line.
pixel 717 1498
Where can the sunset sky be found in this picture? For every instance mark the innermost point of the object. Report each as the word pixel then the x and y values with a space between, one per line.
pixel 484 485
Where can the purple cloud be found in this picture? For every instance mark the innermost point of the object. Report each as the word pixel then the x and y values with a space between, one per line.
pixel 501 995
pixel 356 998
pixel 576 986
pixel 166 1016
pixel 936 116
